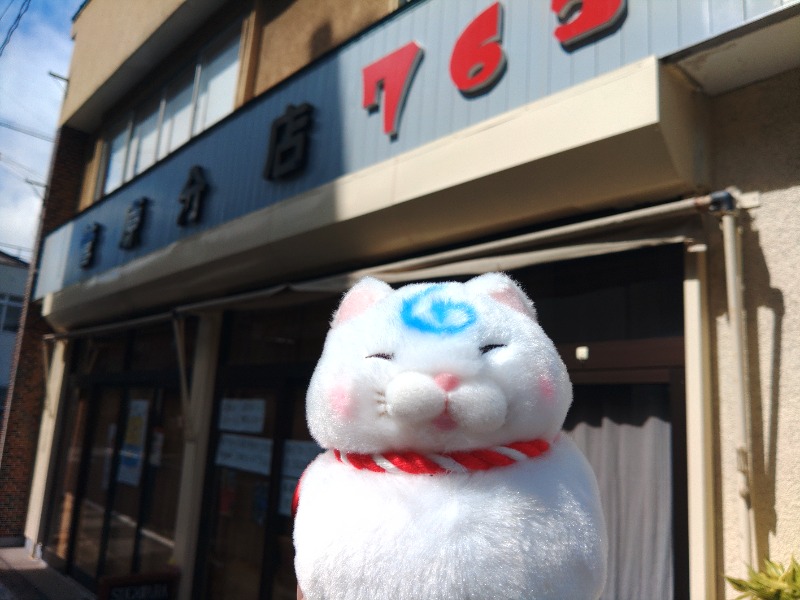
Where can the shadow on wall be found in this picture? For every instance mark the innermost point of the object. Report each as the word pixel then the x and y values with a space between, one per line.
pixel 764 387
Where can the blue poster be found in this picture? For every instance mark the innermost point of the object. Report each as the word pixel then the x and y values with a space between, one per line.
pixel 131 455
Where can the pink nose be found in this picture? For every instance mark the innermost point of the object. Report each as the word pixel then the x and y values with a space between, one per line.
pixel 447 381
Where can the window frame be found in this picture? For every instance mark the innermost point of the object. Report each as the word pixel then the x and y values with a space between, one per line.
pixel 129 121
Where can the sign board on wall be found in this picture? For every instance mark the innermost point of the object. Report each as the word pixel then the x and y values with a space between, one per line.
pixel 433 69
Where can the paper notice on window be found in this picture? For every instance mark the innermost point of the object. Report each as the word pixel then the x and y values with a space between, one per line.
pixel 131 455
pixel 244 415
pixel 297 455
pixel 245 453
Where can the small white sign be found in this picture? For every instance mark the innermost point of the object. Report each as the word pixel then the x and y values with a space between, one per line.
pixel 244 452
pixel 242 414
pixel 297 455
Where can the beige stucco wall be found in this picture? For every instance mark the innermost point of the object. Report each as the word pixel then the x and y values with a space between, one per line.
pixel 300 31
pixel 113 32
pixel 756 140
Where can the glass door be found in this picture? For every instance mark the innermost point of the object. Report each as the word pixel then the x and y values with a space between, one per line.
pixel 56 544
pixel 96 485
pixel 162 476
pixel 116 489
pixel 298 451
pixel 117 471
pixel 241 474
pixel 260 447
pixel 142 513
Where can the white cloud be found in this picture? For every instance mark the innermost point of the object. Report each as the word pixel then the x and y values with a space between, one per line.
pixel 30 98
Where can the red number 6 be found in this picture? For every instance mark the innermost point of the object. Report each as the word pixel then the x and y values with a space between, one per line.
pixel 478 59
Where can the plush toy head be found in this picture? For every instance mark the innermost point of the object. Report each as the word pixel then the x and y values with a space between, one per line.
pixel 436 368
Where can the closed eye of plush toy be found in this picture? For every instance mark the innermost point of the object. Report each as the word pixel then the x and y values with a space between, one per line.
pixel 446 476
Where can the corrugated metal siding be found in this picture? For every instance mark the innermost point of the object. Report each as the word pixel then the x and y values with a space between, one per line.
pixel 347 138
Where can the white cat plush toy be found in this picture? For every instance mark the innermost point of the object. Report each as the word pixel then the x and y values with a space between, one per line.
pixel 446 476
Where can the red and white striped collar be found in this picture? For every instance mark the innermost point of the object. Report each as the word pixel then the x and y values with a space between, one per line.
pixel 466 461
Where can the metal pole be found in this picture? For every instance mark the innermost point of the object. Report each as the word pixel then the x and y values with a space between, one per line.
pixel 736 317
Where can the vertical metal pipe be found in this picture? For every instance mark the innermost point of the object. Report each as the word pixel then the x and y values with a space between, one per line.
pixel 735 292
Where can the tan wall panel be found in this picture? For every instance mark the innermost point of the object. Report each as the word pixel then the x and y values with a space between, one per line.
pixel 299 31
pixel 756 147
pixel 106 34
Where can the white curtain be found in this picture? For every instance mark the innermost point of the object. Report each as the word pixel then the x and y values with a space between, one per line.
pixel 626 434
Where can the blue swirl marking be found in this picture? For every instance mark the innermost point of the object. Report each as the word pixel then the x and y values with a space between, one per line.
pixel 430 311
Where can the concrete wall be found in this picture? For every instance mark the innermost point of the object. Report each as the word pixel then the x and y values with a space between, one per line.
pixel 756 147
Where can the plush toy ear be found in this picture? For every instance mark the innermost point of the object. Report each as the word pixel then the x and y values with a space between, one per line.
pixel 504 290
pixel 360 297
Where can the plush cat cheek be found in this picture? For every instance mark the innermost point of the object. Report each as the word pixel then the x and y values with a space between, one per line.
pixel 547 389
pixel 341 401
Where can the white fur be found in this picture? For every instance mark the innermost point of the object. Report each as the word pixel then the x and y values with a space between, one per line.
pixel 386 383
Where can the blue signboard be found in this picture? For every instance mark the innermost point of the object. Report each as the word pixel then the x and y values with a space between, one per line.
pixel 430 70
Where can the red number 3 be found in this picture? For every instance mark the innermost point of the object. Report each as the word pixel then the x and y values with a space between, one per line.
pixel 478 59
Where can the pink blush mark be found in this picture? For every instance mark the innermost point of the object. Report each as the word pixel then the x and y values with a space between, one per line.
pixel 341 401
pixel 547 389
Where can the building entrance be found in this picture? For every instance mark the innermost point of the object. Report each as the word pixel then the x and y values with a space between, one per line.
pixel 617 321
pixel 115 491
pixel 259 446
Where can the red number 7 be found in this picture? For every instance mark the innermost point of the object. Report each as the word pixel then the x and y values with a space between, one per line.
pixel 393 73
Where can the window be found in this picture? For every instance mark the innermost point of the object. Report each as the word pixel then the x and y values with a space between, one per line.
pixel 144 139
pixel 116 152
pixel 176 127
pixel 217 84
pixel 198 97
pixel 10 312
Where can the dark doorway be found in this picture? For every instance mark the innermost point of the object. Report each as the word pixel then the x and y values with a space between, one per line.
pixel 618 323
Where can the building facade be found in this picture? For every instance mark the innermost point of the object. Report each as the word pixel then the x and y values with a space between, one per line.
pixel 13 276
pixel 224 170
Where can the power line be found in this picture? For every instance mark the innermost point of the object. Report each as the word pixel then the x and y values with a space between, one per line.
pixel 19 165
pixel 26 131
pixel 22 10
pixel 5 10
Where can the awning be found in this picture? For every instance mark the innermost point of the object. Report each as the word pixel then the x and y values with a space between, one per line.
pixel 672 223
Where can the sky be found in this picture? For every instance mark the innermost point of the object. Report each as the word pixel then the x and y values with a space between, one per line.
pixel 30 99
